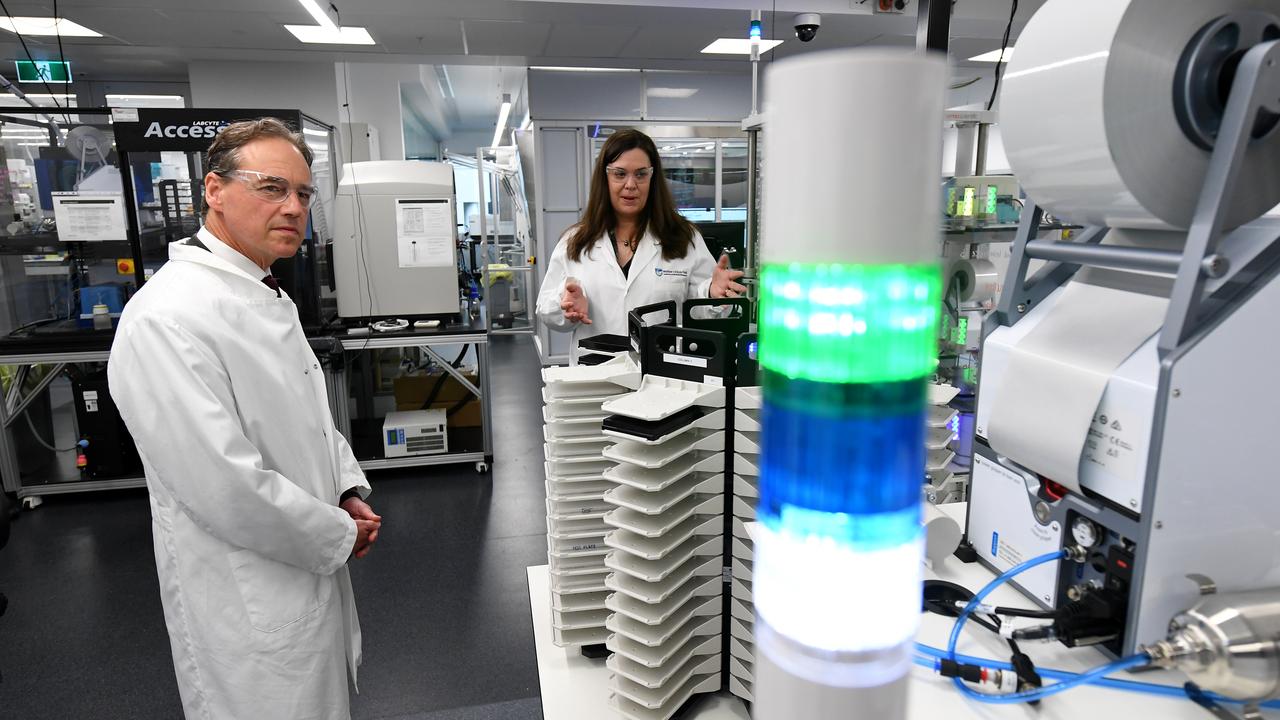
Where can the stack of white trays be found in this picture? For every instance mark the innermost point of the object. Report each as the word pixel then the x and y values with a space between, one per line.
pixel 939 437
pixel 666 551
pixel 746 491
pixel 575 494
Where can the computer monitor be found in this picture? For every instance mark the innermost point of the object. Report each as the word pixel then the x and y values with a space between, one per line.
pixel 726 237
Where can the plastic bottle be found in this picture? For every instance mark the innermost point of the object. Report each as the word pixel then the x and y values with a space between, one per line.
pixel 101 317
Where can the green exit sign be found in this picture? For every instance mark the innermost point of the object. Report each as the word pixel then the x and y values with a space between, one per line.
pixel 49 71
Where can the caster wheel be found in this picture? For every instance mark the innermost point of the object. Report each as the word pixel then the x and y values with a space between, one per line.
pixel 482 466
pixel 31 502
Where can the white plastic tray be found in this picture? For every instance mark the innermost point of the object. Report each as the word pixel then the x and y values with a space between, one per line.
pixel 656 614
pixel 658 456
pixel 741 570
pixel 574 564
pixel 657 525
pixel 654 480
pixel 558 511
pixel 657 570
pixel 749 398
pixel 586 393
pixel 661 397
pixel 667 699
pixel 746 488
pixel 621 371
pixel 585 490
pixel 681 666
pixel 744 690
pixel 742 589
pixel 740 630
pixel 579 467
pixel 579 579
pixel 576 638
pixel 744 650
pixel 659 656
pixel 655 593
pixel 568 432
pixel 558 451
pixel 938 438
pixel 742 550
pixel 577 418
pixel 938 460
pixel 580 601
pixel 578 619
pixel 576 529
pixel 942 394
pixel 711 421
pixel 746 443
pixel 743 612
pixel 745 465
pixel 739 669
pixel 656 503
pixel 578 585
pixel 745 509
pixel 652 548
pixel 940 416
pixel 746 421
pixel 580 409
pixel 662 633
pixel 559 441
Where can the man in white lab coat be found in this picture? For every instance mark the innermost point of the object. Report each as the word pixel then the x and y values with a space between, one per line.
pixel 256 500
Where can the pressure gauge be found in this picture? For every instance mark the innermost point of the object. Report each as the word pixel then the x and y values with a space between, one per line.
pixel 1085 532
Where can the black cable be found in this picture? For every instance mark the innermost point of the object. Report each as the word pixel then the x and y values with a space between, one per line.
pixel 444 374
pixel 1004 44
pixel 355 187
pixel 1023 613
pixel 44 82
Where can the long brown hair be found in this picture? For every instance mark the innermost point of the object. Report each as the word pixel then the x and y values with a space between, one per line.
pixel 674 233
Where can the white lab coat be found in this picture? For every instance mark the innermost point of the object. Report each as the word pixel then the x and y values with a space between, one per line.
pixel 227 403
pixel 610 294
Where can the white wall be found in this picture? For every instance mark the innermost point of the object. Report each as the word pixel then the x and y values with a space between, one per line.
pixel 375 99
pixel 308 87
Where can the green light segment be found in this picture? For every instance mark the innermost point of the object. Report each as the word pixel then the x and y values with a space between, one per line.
pixel 850 323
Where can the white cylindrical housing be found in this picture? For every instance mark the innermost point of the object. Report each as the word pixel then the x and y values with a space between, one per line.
pixel 1087 112
pixel 853 158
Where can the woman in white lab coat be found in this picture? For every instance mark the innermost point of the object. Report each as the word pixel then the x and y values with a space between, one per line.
pixel 631 248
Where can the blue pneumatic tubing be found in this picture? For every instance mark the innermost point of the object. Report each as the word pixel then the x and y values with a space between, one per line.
pixel 934 654
pixel 984 592
pixel 1085 678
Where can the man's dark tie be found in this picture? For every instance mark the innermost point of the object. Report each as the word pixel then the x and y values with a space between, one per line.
pixel 270 281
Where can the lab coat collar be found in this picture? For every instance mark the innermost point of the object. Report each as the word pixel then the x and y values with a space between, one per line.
pixel 182 252
pixel 646 250
pixel 228 253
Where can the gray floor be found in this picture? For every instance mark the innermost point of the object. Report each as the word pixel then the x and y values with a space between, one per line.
pixel 443 598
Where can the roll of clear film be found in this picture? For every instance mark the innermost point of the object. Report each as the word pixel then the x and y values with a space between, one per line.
pixel 1105 104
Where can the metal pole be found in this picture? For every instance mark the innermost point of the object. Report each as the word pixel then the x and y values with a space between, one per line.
pixel 980 159
pixel 933 25
pixel 751 261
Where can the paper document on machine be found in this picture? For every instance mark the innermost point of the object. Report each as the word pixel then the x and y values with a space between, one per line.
pixel 89 216
pixel 1046 399
pixel 425 234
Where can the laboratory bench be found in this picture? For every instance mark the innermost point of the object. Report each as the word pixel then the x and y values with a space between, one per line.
pixel 58 345
pixel 577 688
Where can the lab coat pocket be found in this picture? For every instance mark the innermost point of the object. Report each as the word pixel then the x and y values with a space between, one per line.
pixel 277 595
pixel 673 287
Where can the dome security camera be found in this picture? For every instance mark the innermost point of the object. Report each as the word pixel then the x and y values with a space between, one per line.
pixel 807 25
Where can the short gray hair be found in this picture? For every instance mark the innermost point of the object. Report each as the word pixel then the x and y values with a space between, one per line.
pixel 223 154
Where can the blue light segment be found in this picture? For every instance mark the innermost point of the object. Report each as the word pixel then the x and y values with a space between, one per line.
pixel 756 31
pixel 863 532
pixel 841 448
